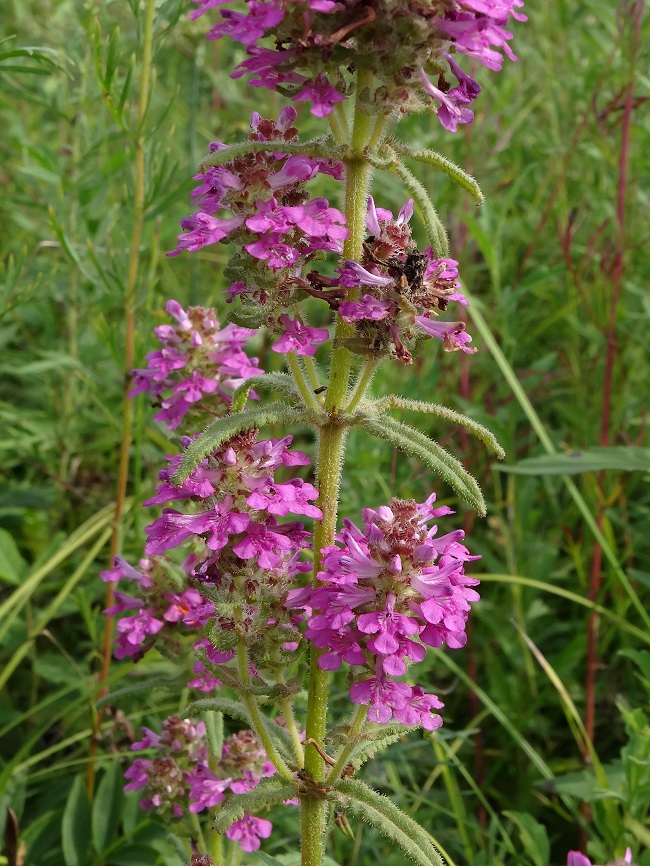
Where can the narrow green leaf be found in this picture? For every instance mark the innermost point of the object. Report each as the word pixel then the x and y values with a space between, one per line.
pixel 315 147
pixel 107 807
pixel 269 792
pixel 225 428
pixel 236 710
pixel 75 825
pixel 12 565
pixel 482 433
pixel 437 160
pixel 596 459
pixel 534 837
pixel 281 382
pixel 389 820
pixel 270 861
pixel 434 456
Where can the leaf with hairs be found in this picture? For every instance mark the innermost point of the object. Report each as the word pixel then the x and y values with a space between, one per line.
pixel 437 160
pixel 269 792
pixel 382 814
pixel 223 429
pixel 434 456
pixel 281 382
pixel 237 710
pixel 482 433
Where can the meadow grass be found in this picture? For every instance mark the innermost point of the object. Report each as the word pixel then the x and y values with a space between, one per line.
pixel 555 266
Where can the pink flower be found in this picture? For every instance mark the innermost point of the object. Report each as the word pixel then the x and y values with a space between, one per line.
pixel 323 96
pixel 299 338
pixel 368 308
pixel 204 230
pixel 452 334
pixel 248 831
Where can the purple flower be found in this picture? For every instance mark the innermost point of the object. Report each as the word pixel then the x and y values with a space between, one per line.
pixel 322 95
pixel 248 831
pixel 204 230
pixel 368 308
pixel 206 789
pixel 299 338
pixel 452 334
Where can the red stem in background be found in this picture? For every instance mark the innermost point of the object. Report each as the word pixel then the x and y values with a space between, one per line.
pixel 636 9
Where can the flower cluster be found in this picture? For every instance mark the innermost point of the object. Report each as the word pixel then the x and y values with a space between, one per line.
pixel 388 592
pixel 245 556
pixel 199 361
pixel 402 43
pixel 161 601
pixel 180 779
pixel 401 290
pixel 278 228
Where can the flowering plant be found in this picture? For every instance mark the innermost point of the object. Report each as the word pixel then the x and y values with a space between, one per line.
pixel 237 605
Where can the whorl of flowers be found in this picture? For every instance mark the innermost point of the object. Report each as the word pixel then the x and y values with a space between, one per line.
pixel 410 48
pixel 179 778
pixel 401 290
pixel 388 592
pixel 199 362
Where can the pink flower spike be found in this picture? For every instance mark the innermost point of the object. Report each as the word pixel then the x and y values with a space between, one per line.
pixel 299 338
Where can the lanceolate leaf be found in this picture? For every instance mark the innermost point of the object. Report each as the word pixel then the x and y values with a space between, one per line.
pixel 434 456
pixel 225 428
pixel 455 172
pixel 314 147
pixel 481 432
pixel 389 820
pixel 620 459
pixel 236 710
pixel 75 825
pixel 269 792
pixel 281 382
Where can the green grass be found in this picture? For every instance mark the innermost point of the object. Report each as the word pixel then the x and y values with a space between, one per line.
pixel 505 781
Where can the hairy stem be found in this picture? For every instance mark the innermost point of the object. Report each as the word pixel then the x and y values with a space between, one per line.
pixel 356 727
pixel 366 375
pixel 330 461
pixel 301 383
pixel 250 703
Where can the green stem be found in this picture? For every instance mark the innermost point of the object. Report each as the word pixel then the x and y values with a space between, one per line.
pixel 330 460
pixel 378 128
pixel 196 827
pixel 287 711
pixel 335 126
pixel 339 111
pixel 312 372
pixel 366 375
pixel 301 383
pixel 356 727
pixel 216 848
pixel 254 711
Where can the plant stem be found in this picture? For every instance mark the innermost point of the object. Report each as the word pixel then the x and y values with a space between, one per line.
pixel 129 356
pixel 356 727
pixel 330 460
pixel 254 711
pixel 366 375
pixel 292 727
pixel 301 383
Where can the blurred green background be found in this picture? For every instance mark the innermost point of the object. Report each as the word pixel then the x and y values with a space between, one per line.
pixel 556 263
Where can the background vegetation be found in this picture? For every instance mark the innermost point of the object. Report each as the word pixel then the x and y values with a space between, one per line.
pixel 555 266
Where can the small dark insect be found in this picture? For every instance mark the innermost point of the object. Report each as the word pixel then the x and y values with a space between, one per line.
pixel 320 390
